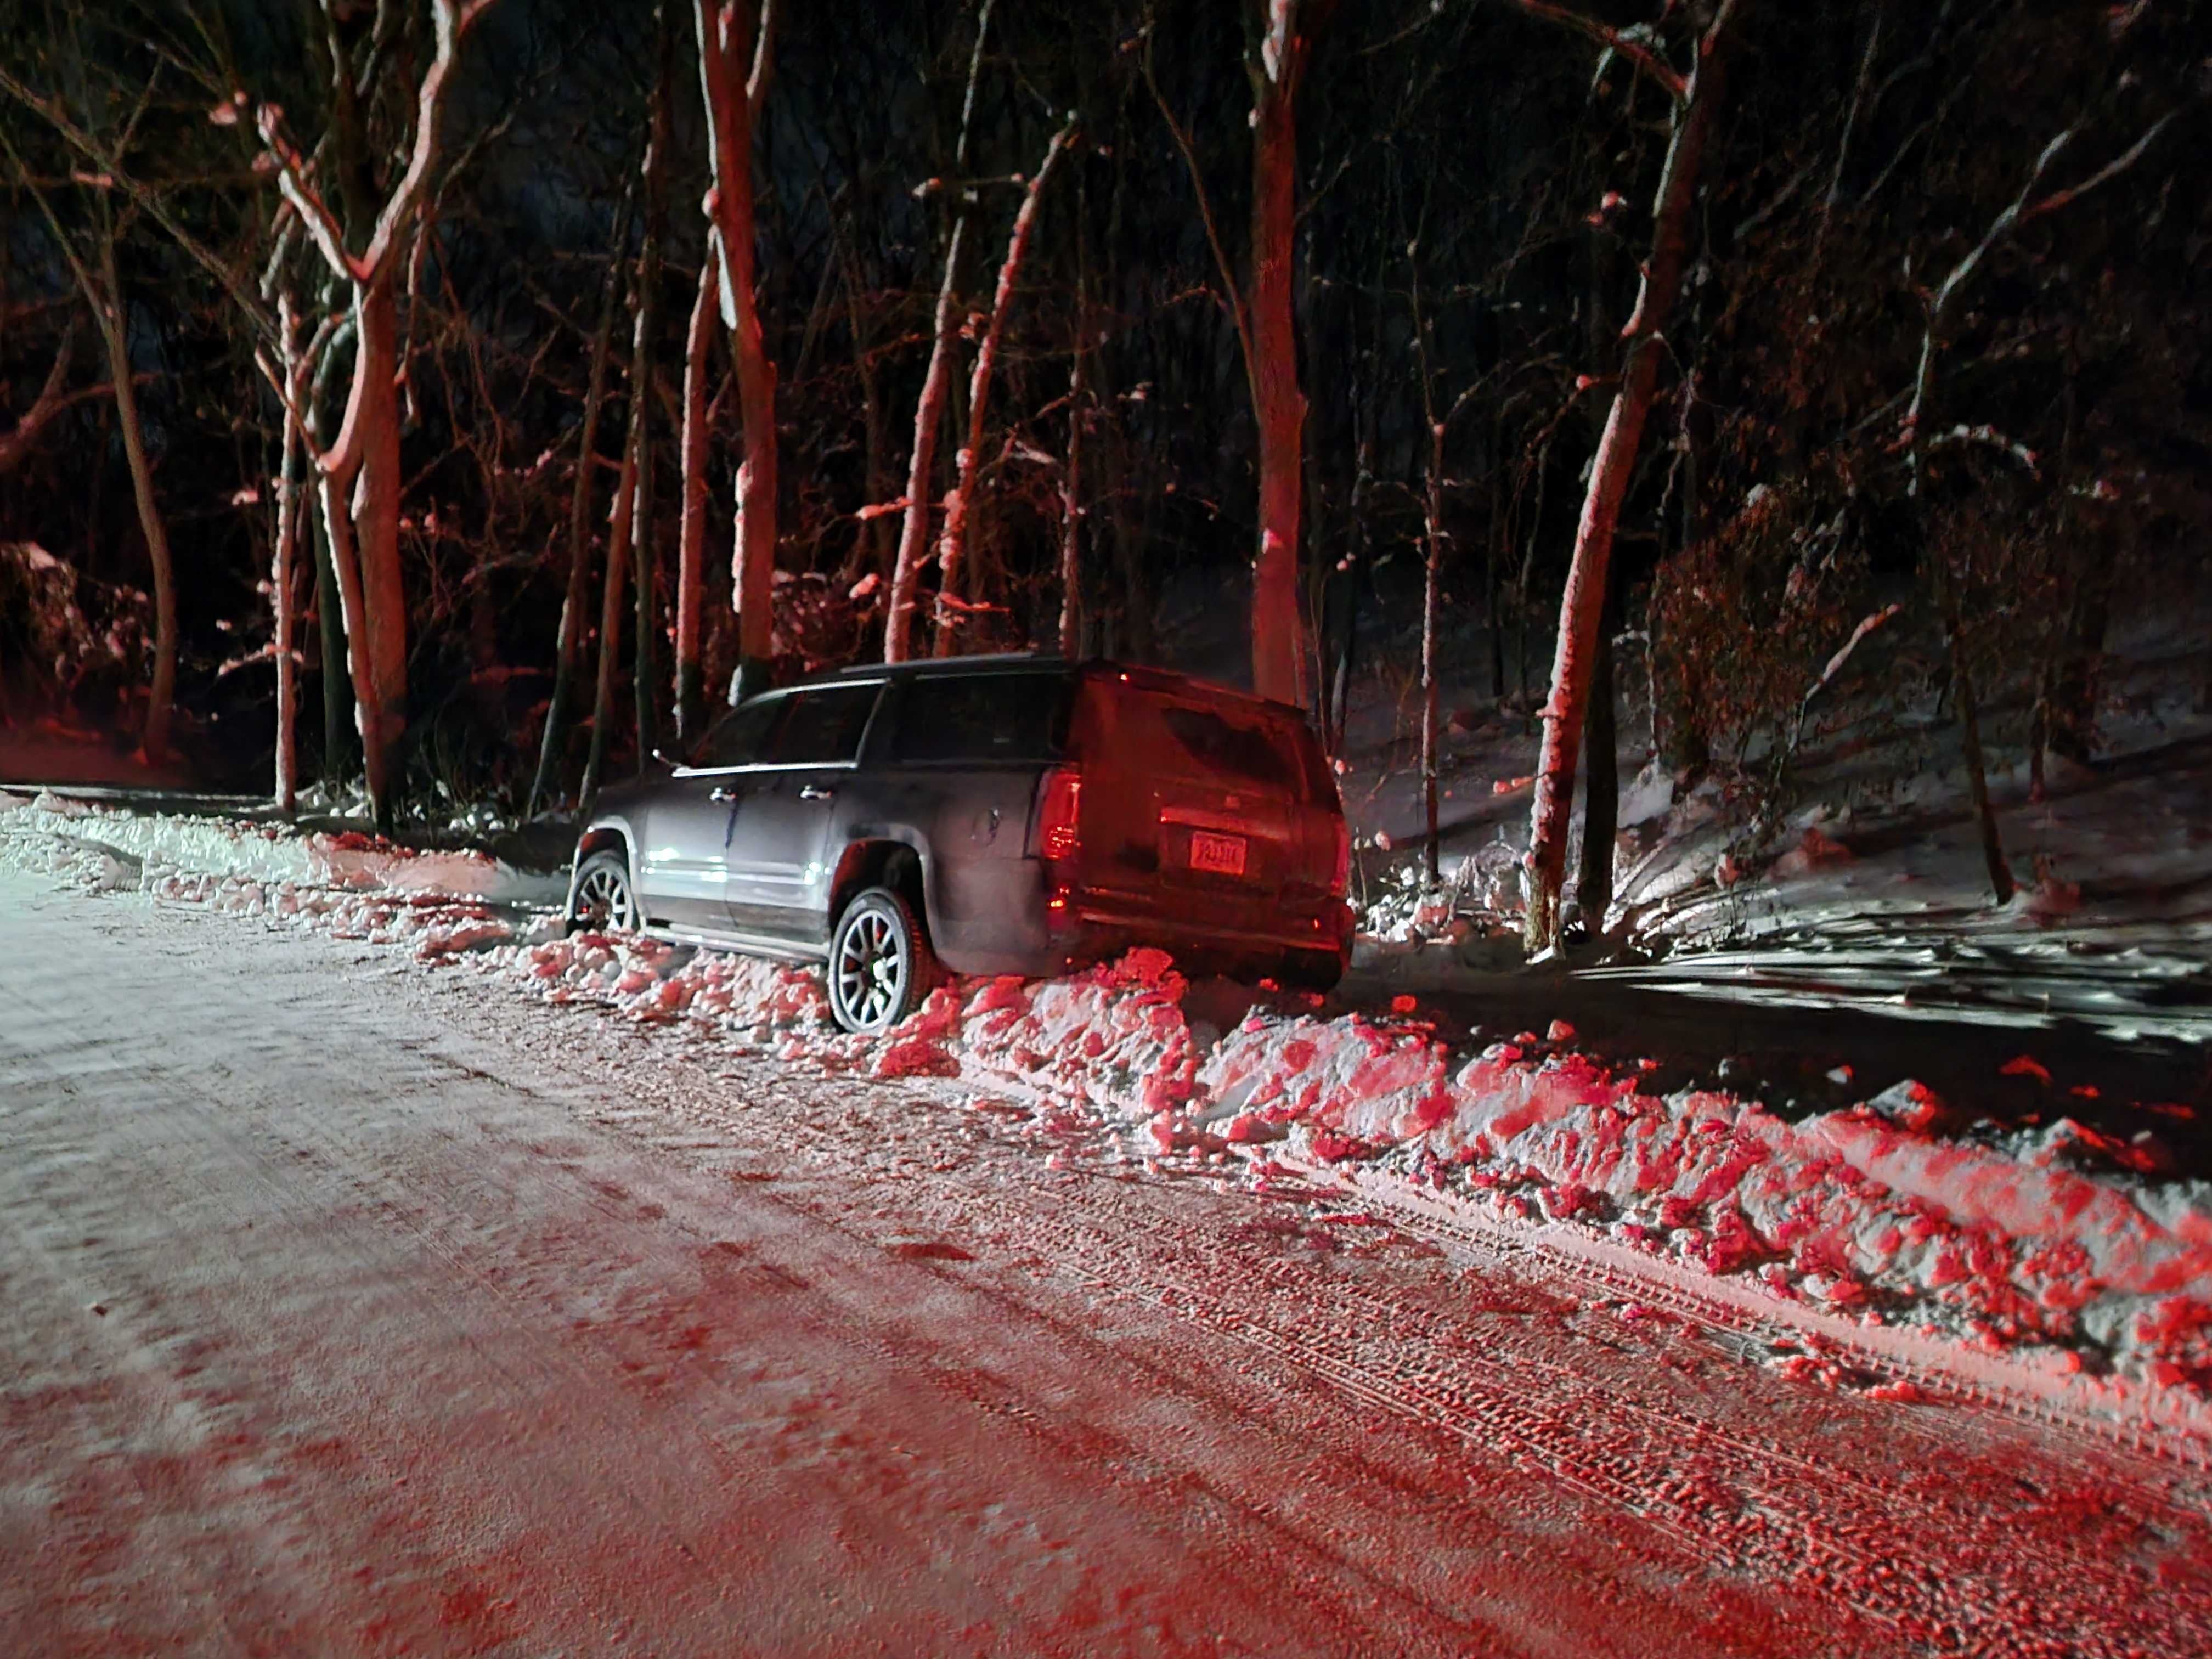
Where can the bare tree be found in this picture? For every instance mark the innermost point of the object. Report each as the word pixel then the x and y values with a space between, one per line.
pixel 99 279
pixel 1697 97
pixel 1279 657
pixel 1919 422
pixel 644 565
pixel 936 382
pixel 361 481
pixel 691 535
pixel 953 536
pixel 1266 330
pixel 729 33
pixel 576 597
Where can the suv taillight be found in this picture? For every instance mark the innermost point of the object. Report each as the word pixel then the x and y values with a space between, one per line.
pixel 1058 803
pixel 1340 880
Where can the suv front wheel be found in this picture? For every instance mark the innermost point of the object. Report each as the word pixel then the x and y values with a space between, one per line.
pixel 604 897
pixel 880 965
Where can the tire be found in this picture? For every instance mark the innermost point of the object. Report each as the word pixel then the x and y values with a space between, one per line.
pixel 880 963
pixel 1312 970
pixel 604 897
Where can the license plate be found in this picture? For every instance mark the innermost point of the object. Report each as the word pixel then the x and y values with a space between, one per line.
pixel 1223 855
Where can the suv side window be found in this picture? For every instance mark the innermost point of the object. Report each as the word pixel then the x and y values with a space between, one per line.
pixel 822 726
pixel 982 717
pixel 736 739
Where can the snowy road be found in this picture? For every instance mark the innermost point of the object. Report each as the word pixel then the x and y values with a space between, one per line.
pixel 358 1309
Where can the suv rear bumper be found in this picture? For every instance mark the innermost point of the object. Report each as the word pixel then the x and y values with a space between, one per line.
pixel 1094 930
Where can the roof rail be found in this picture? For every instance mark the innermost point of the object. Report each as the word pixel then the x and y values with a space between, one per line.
pixel 1041 659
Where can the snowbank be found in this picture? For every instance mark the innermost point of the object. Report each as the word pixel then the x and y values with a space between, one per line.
pixel 2037 1241
pixel 264 854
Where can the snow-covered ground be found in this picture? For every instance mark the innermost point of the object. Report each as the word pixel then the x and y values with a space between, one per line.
pixel 2038 1263
pixel 355 1308
pixel 1862 882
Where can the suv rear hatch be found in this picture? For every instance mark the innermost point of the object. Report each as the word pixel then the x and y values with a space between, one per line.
pixel 1203 810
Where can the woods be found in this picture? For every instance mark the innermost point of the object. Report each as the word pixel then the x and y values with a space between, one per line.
pixel 1606 367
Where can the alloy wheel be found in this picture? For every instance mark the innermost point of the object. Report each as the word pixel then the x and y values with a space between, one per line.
pixel 871 969
pixel 602 898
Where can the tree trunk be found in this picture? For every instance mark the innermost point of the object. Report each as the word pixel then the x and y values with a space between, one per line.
pixel 725 42
pixel 1431 566
pixel 1600 791
pixel 610 619
pixel 643 552
pixel 574 599
pixel 929 410
pixel 1071 512
pixel 1582 607
pixel 287 779
pixel 1970 734
pixel 329 622
pixel 115 332
pixel 691 539
pixel 952 539
pixel 1279 657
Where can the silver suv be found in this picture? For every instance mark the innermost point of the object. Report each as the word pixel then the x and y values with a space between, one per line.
pixel 993 815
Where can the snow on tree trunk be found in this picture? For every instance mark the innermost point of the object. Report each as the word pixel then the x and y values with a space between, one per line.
pixel 952 538
pixel 691 536
pixel 727 32
pixel 1583 606
pixel 332 648
pixel 1279 650
pixel 372 505
pixel 1071 514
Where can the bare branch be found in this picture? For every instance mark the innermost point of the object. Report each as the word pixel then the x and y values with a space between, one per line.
pixel 148 200
pixel 452 21
pixel 764 69
pixel 1612 39
pixel 1234 294
pixel 2104 175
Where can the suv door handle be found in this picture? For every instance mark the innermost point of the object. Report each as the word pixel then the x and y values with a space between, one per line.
pixel 719 794
pixel 815 792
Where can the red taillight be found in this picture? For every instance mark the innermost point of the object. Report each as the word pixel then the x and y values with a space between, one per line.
pixel 1339 881
pixel 1058 835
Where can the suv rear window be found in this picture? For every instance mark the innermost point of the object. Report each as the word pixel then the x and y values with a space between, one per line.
pixel 1231 745
pixel 982 717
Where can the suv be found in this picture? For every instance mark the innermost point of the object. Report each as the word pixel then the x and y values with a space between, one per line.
pixel 997 815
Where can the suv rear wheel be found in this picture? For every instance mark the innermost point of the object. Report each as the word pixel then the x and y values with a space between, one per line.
pixel 880 963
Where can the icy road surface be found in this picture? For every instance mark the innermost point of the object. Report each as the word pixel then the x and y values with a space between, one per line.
pixel 355 1310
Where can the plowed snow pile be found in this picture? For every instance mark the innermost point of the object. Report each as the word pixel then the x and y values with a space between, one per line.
pixel 2040 1243
pixel 354 885
pixel 2029 1241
